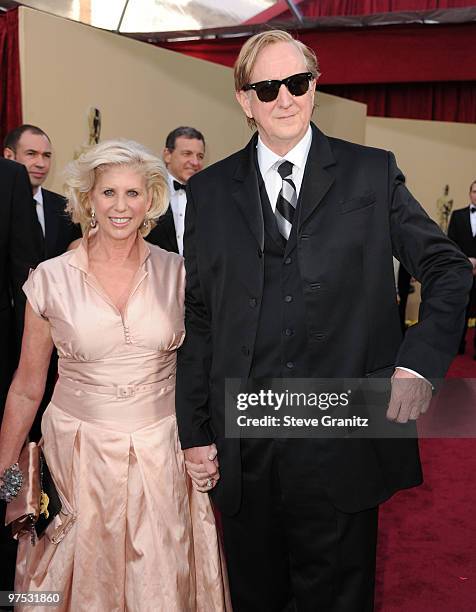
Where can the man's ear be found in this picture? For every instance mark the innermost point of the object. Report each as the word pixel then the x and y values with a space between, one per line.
pixel 8 153
pixel 244 101
pixel 166 155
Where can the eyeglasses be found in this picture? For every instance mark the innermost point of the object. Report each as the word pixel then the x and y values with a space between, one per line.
pixel 267 91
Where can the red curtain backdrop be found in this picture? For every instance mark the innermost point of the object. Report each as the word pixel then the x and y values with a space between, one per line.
pixel 10 87
pixel 321 8
pixel 330 8
pixel 408 71
pixel 431 101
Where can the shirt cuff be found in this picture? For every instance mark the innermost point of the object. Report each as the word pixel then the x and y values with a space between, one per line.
pixel 415 373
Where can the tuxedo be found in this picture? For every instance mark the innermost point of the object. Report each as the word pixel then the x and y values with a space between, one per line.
pixel 460 231
pixel 353 212
pixel 19 251
pixel 165 233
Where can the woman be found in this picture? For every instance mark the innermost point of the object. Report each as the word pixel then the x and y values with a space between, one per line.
pixel 133 533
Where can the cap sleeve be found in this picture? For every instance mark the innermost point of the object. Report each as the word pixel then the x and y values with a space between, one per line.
pixel 35 290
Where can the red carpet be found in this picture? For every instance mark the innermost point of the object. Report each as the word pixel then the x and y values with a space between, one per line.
pixel 427 542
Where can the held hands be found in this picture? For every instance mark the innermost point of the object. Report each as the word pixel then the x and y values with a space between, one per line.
pixel 410 397
pixel 202 466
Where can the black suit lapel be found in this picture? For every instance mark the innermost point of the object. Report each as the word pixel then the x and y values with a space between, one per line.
pixel 51 224
pixel 169 229
pixel 38 237
pixel 317 180
pixel 467 225
pixel 246 192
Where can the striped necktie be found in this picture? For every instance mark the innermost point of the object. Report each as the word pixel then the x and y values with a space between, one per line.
pixel 287 200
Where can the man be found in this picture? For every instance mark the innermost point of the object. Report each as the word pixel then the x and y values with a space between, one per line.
pixel 462 230
pixel 183 156
pixel 19 251
pixel 290 275
pixel 31 146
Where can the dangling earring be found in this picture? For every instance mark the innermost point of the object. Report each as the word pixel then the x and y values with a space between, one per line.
pixel 93 221
pixel 146 223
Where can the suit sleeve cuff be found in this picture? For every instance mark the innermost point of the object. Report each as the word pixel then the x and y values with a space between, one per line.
pixel 414 373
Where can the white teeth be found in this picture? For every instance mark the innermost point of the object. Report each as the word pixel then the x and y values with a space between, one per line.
pixel 119 219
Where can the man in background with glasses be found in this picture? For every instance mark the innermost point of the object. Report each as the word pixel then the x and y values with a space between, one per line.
pixel 288 251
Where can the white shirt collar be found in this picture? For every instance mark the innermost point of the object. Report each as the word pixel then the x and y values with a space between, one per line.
pixel 39 196
pixel 171 179
pixel 297 155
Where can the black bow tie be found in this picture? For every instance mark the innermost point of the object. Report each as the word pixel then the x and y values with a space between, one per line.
pixel 178 186
pixel 472 209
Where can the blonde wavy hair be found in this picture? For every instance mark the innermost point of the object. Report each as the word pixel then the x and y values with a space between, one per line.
pixel 248 55
pixel 80 177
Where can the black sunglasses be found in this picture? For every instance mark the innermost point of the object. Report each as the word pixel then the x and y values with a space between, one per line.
pixel 267 91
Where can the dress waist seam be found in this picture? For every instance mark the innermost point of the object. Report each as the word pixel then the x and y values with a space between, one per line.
pixel 119 391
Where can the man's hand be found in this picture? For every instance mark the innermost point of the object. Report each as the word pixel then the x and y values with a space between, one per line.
pixel 410 397
pixel 202 466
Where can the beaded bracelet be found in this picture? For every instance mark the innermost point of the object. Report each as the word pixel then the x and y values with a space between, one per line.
pixel 11 483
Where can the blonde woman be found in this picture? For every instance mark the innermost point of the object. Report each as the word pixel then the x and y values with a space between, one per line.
pixel 133 534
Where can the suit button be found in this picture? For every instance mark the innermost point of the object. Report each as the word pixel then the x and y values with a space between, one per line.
pixel 288 332
pixel 290 365
pixel 245 350
pixel 287 261
pixel 252 302
pixel 288 298
pixel 260 253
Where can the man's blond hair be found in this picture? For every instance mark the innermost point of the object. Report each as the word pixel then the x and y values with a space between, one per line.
pixel 249 53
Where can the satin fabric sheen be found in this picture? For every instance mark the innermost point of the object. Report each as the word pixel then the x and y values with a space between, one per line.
pixel 134 535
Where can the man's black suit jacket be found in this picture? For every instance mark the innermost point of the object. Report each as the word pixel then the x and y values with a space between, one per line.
pixel 459 230
pixel 20 250
pixel 354 213
pixel 60 231
pixel 164 234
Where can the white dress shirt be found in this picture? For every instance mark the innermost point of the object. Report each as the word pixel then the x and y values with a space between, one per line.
pixel 40 210
pixel 269 162
pixel 178 203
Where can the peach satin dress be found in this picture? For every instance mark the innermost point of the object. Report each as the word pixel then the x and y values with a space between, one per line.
pixel 133 534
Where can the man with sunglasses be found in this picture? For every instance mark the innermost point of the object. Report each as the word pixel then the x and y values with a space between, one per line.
pixel 288 252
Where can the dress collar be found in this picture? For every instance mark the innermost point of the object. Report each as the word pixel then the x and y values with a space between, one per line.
pixel 80 257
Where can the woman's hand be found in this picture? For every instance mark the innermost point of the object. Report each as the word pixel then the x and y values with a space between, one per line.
pixel 202 466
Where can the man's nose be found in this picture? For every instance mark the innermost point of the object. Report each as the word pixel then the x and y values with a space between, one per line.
pixel 284 99
pixel 40 162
